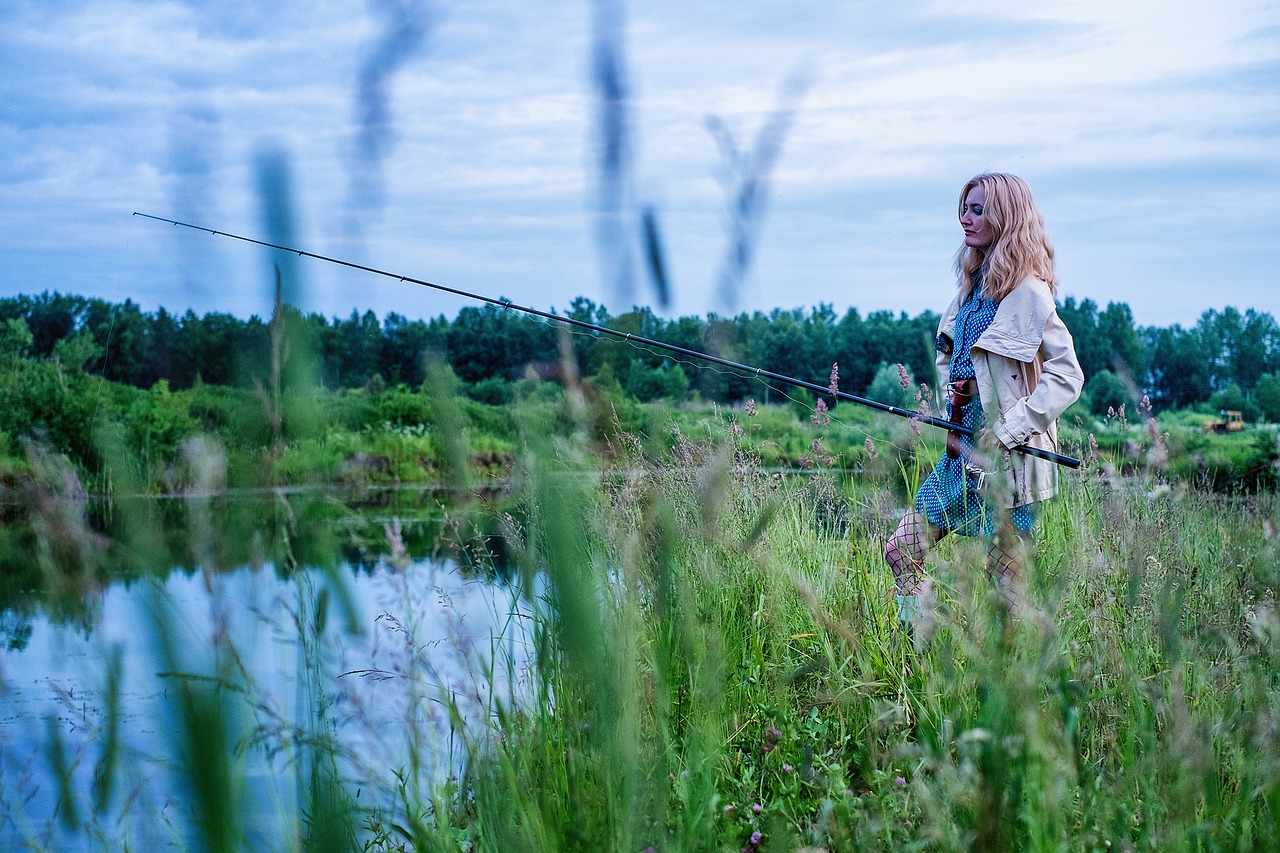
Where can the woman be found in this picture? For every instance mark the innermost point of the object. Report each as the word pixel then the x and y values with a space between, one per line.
pixel 1010 369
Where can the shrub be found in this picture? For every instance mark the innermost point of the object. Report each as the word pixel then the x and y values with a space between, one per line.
pixel 1107 392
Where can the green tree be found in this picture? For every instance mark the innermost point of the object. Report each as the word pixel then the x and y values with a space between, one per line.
pixel 15 338
pixel 886 387
pixel 1266 395
pixel 1106 391
pixel 1082 321
pixel 1180 370
pixel 1232 398
pixel 1119 338
pixel 76 351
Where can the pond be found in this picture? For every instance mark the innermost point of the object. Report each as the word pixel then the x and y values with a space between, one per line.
pixel 160 704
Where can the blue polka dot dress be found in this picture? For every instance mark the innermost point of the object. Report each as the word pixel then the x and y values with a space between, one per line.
pixel 949 497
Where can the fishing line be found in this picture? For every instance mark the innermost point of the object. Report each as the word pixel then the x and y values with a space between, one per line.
pixel 745 369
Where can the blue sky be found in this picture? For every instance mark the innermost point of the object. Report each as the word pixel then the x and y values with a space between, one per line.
pixel 1148 130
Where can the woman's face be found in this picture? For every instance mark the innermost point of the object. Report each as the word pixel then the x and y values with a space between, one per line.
pixel 977 231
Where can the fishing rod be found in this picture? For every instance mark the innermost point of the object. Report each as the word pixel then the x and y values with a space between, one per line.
pixel 758 372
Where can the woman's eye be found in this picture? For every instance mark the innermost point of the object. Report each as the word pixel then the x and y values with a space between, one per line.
pixel 977 210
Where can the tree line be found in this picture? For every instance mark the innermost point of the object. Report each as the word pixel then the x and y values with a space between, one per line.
pixel 1228 359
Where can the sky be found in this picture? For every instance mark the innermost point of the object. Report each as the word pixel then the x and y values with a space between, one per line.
pixel 461 143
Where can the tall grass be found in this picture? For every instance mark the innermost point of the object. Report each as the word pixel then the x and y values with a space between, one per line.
pixel 701 654
pixel 713 662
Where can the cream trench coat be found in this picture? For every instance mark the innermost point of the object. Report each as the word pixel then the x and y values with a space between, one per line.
pixel 1028 374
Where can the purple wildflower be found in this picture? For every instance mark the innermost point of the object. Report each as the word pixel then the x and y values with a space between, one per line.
pixel 756 836
pixel 805 462
pixel 834 385
pixel 870 446
pixel 787 768
pixel 904 378
pixel 757 808
pixel 820 416
pixel 899 781
pixel 750 408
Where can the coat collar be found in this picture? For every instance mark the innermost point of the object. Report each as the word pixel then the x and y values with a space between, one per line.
pixel 1018 327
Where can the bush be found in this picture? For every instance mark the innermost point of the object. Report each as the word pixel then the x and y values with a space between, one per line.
pixel 887 388
pixel 1266 396
pixel 1107 391
pixel 495 391
pixel 158 422
pixel 1232 398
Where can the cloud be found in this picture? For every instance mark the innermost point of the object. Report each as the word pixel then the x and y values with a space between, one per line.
pixel 1128 118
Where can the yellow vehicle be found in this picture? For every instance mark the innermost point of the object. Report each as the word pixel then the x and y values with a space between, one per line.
pixel 1232 421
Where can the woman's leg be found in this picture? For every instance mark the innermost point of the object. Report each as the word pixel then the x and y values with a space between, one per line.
pixel 905 552
pixel 906 549
pixel 1006 564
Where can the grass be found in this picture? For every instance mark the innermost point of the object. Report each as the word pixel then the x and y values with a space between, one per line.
pixel 716 662
pixel 702 654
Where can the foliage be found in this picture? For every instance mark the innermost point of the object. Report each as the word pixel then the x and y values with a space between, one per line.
pixel 1107 392
pixel 888 387
pixel 1267 396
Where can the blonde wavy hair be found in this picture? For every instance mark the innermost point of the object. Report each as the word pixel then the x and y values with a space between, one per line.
pixel 1021 247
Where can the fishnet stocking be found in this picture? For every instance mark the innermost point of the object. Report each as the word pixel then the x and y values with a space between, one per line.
pixel 906 549
pixel 1006 562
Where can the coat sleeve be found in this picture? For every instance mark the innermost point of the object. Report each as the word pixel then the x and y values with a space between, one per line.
pixel 1061 380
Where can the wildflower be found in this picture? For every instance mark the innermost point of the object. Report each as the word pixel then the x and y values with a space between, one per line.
pixel 756 836
pixel 1145 405
pixel 730 809
pixel 922 399
pixel 870 446
pixel 805 462
pixel 904 378
pixel 899 781
pixel 834 385
pixel 1111 411
pixel 820 416
pixel 750 408
pixel 787 768
pixel 757 808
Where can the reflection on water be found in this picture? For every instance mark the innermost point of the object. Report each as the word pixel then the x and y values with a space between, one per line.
pixel 370 650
